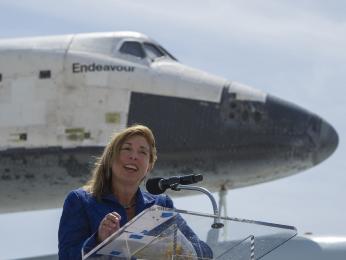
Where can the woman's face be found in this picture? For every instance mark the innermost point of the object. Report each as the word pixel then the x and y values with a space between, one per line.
pixel 133 161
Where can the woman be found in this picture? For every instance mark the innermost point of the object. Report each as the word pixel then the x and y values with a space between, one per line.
pixel 112 196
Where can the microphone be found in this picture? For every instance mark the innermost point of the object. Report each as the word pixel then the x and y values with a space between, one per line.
pixel 159 185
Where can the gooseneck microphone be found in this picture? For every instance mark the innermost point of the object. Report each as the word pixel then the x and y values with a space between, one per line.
pixel 160 185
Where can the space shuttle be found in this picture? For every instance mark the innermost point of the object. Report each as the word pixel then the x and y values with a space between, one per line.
pixel 61 98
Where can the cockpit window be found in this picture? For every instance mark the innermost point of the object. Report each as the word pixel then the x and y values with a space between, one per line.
pixel 141 50
pixel 167 53
pixel 152 51
pixel 155 51
pixel 132 48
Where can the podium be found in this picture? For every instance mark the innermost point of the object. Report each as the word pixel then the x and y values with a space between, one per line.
pixel 162 233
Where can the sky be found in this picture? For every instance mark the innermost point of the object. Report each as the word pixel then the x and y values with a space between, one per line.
pixel 290 49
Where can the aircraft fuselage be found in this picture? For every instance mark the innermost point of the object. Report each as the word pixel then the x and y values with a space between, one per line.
pixel 62 97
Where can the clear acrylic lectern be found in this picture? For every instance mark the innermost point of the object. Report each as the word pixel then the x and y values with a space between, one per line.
pixel 162 233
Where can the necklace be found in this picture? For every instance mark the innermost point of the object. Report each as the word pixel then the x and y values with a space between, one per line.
pixel 129 206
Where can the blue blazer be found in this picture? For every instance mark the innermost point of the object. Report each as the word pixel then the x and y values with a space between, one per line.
pixel 82 214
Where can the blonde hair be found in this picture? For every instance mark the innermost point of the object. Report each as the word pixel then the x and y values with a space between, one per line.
pixel 101 180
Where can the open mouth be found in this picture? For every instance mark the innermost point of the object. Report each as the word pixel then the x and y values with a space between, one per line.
pixel 131 167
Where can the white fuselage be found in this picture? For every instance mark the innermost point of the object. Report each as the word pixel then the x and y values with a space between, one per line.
pixel 83 93
pixel 62 97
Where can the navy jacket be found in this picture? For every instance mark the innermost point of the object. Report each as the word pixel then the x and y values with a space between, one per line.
pixel 82 214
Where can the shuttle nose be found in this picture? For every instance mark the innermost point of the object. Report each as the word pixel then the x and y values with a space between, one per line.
pixel 327 142
pixel 310 135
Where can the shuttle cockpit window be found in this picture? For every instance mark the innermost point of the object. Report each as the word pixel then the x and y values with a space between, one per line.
pixel 132 48
pixel 154 51
pixel 167 53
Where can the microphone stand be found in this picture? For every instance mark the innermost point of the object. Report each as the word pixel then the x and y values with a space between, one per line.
pixel 217 223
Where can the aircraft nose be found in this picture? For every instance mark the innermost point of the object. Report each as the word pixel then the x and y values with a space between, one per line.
pixel 315 137
pixel 327 142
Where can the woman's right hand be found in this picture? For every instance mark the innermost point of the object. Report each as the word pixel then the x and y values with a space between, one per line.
pixel 109 224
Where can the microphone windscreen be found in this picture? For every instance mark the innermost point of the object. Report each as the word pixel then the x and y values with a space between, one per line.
pixel 198 178
pixel 153 186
